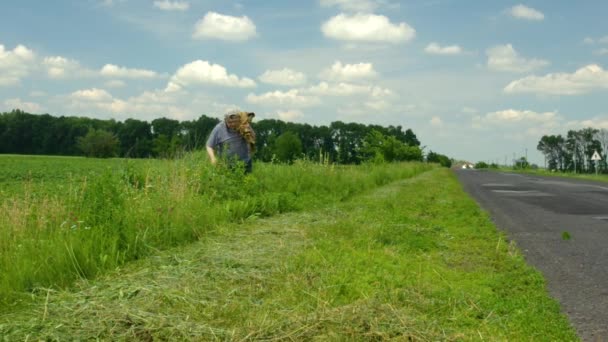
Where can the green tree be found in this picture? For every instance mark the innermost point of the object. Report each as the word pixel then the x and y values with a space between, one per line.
pixel 288 147
pixel 380 147
pixel 135 138
pixel 440 159
pixel 521 164
pixel 98 144
pixel 197 132
pixel 482 165
pixel 168 127
pixel 410 138
pixel 554 149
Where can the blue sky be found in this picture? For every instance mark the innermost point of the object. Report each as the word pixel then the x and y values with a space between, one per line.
pixel 476 80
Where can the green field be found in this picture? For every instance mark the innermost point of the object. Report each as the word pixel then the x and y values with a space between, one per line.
pixel 179 250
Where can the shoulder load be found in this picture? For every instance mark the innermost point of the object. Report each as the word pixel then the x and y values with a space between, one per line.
pixel 245 129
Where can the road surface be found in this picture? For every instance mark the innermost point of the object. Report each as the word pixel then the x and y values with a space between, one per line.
pixel 539 213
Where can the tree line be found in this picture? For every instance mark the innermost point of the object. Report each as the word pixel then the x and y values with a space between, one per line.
pixel 346 143
pixel 574 152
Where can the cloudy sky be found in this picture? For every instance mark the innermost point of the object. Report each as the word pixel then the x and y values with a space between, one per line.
pixel 476 80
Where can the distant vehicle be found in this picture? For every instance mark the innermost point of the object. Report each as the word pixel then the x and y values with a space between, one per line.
pixel 468 166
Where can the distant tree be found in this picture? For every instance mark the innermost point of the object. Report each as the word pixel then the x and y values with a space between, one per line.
pixel 440 159
pixel 135 138
pixel 602 137
pixel 348 141
pixel 196 132
pixel 98 144
pixel 521 164
pixel 373 147
pixel 411 139
pixel 339 142
pixel 554 149
pixel 482 165
pixel 380 147
pixel 168 127
pixel 581 144
pixel 266 132
pixel 288 147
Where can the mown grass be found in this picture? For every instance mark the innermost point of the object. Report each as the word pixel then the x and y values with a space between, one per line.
pixel 103 214
pixel 416 260
pixel 542 172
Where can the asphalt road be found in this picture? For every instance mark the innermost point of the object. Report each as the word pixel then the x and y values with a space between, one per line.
pixel 536 212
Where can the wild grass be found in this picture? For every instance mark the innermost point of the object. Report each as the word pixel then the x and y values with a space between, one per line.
pixel 415 260
pixel 103 214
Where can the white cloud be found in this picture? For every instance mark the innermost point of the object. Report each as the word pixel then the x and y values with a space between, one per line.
pixel 601 40
pixel 285 77
pixel 289 115
pixel 92 95
pixel 436 121
pixel 351 5
pixel 347 89
pixel 377 105
pixel 16 103
pixel 15 64
pixel 291 98
pixel 339 89
pixel 111 70
pixel 588 40
pixel 115 84
pixel 524 12
pixel 377 92
pixel 505 58
pixel 224 27
pixel 514 116
pixel 37 93
pixel 597 123
pixel 602 52
pixel 367 28
pixel 202 72
pixel 167 5
pixel 58 67
pixel 519 124
pixel 436 49
pixel 338 71
pixel 584 80
pixel 147 106
pixel 469 110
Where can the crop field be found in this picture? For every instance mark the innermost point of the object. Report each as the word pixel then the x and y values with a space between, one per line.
pixel 181 250
pixel 49 175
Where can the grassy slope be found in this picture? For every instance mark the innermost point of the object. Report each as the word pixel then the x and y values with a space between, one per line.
pixel 414 259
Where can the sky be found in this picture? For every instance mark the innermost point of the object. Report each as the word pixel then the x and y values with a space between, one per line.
pixel 475 80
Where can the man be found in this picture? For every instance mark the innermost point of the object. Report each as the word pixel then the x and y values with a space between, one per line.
pixel 226 140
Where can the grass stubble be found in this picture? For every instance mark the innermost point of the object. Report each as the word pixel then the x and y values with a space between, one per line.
pixel 414 260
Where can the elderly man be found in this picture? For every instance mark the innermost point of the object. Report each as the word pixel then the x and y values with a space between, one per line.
pixel 228 142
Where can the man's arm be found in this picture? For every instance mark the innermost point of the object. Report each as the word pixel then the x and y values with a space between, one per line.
pixel 211 143
pixel 211 154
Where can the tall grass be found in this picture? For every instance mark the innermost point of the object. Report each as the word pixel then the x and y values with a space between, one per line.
pixel 96 223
